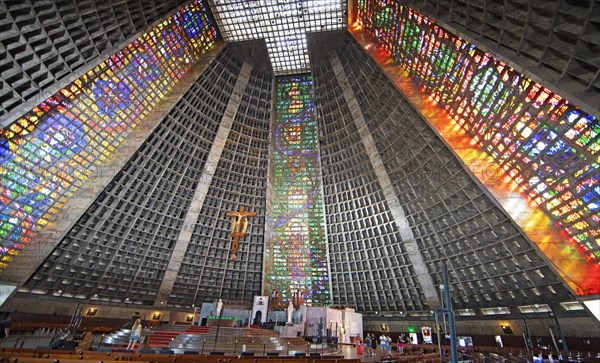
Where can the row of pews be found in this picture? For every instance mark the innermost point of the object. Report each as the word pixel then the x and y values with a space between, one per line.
pixel 16 355
pixel 490 354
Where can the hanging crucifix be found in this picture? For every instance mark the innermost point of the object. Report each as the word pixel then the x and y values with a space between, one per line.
pixel 238 228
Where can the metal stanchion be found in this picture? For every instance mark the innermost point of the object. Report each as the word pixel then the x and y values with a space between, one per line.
pixel 100 342
pixel 218 328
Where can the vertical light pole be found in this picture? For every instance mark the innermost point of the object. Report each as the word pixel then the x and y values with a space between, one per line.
pixel 220 295
pixel 450 312
pixel 526 335
pixel 561 334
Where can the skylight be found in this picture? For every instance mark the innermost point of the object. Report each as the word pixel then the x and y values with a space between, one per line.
pixel 283 25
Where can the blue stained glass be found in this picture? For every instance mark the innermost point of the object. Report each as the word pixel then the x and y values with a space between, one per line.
pixel 572 117
pixel 110 96
pixel 142 68
pixel 558 147
pixel 62 136
pixel 591 196
pixel 530 145
pixel 4 150
pixel 172 40
pixel 192 24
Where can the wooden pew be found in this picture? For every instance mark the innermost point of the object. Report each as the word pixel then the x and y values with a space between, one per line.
pixel 56 360
pixel 15 355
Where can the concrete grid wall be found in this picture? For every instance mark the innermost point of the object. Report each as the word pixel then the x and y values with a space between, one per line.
pixel 239 180
pixel 370 266
pixel 490 262
pixel 119 249
pixel 44 42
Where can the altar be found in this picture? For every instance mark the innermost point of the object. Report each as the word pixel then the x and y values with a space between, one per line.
pixel 226 321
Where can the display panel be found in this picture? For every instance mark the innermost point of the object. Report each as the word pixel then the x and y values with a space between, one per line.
pixel 52 150
pixel 544 144
pixel 296 259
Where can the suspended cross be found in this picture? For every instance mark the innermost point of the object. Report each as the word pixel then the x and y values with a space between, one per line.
pixel 238 228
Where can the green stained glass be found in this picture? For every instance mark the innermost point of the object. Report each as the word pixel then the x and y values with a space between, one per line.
pixel 296 256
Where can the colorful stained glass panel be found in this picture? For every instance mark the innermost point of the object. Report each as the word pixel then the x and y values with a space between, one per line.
pixel 51 151
pixel 296 260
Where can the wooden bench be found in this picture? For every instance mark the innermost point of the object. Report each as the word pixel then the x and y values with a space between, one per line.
pixel 16 355
pixel 64 360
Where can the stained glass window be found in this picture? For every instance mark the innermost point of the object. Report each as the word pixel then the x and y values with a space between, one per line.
pixel 542 141
pixel 52 150
pixel 296 258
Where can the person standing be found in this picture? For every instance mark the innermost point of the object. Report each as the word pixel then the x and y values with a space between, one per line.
pixel 374 344
pixel 368 345
pixel 359 347
pixel 382 342
pixel 5 327
pixel 136 333
pixel 400 344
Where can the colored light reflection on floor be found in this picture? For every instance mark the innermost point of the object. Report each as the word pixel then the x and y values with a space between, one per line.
pixel 579 272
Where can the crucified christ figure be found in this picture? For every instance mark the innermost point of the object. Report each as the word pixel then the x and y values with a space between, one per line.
pixel 238 228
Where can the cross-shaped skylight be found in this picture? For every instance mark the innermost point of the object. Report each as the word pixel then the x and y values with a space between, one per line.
pixel 283 25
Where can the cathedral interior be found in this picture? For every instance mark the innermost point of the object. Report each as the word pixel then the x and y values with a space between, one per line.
pixel 372 140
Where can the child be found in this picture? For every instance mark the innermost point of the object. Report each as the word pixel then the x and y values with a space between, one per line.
pixel 400 345
pixel 359 347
